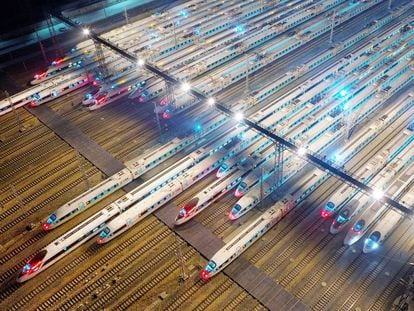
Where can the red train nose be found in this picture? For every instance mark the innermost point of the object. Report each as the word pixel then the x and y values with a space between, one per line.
pixel 46 227
pixel 204 275
pixel 325 214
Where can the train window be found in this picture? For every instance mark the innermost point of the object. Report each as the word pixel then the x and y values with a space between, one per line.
pixel 105 232
pixel 211 266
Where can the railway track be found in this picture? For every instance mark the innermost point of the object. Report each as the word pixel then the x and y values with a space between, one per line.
pixel 35 180
pixel 272 263
pixel 392 289
pixel 238 301
pixel 327 295
pixel 76 263
pixel 217 292
pixel 185 296
pixel 41 205
pixel 172 265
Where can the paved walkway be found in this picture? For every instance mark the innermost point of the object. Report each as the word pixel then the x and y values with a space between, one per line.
pixel 252 279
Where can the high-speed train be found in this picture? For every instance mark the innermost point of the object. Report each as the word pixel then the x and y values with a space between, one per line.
pixel 45 92
pixel 395 154
pixel 90 227
pixel 350 210
pixel 134 168
pixel 388 223
pixel 237 245
pixel 373 208
pixel 143 208
pixel 246 203
pixel 116 90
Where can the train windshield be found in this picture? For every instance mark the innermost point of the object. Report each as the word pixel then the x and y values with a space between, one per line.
pixel 359 225
pixel 210 266
pixel 343 216
pixel 105 232
pixel 375 236
pixel 242 186
pixel 51 219
pixel 236 209
pixel 34 263
pixel 330 206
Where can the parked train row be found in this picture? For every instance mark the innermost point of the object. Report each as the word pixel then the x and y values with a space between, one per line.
pixel 298 191
pixel 135 206
pixel 153 88
pixel 139 166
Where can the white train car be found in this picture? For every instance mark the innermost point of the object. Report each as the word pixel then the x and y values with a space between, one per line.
pixel 145 207
pixel 45 92
pixel 374 211
pixel 384 227
pixel 243 240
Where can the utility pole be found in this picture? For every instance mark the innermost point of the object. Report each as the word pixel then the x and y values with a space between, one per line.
pixel 42 49
pixel 52 33
pixel 157 117
pixel 126 16
pixel 179 253
pixel 16 113
pixel 100 57
pixel 332 28
pixel 261 186
pixel 82 169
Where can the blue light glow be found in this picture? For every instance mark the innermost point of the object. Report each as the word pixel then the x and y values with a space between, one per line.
pixel 183 13
pixel 239 28
pixel 343 93
pixel 198 127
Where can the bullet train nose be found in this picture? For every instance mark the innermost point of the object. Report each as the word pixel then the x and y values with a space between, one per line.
pixel 32 267
pixel 336 227
pixel 220 173
pixel 370 246
pixel 238 193
pixel 100 240
pixel 232 216
pixel 372 242
pixel 47 227
pixel 204 275
pixel 325 214
pixel 352 237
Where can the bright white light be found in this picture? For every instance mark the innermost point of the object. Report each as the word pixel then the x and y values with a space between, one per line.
pixel 86 31
pixel 238 116
pixel 211 101
pixel 185 86
pixel 140 62
pixel 301 151
pixel 377 194
pixel 337 157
